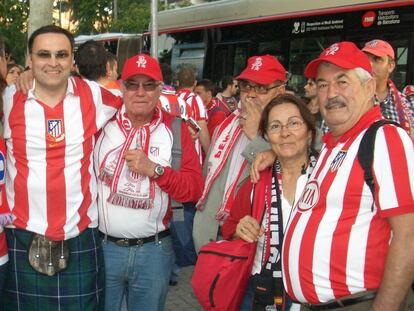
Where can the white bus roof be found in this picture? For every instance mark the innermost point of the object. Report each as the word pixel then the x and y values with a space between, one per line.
pixel 228 12
pixel 104 37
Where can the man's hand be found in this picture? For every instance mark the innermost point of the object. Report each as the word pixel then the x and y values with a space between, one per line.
pixel 24 82
pixel 250 117
pixel 138 162
pixel 248 229
pixel 194 135
pixel 262 161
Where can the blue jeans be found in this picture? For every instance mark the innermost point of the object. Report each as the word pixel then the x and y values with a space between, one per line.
pixel 140 273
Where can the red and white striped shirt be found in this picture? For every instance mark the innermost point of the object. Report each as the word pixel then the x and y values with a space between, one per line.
pixel 174 105
pixel 196 104
pixel 337 240
pixel 198 113
pixel 50 181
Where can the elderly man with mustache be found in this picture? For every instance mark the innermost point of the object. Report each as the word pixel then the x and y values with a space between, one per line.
pixel 346 248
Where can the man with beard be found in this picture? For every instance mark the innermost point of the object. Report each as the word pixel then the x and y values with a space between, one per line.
pixel 346 248
pixel 394 105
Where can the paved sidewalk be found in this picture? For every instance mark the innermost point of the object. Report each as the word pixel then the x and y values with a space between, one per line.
pixel 181 297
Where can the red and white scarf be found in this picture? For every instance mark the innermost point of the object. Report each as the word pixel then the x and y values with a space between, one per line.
pixel 128 189
pixel 405 116
pixel 227 138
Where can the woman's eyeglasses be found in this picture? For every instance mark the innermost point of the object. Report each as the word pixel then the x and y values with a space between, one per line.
pixel 292 125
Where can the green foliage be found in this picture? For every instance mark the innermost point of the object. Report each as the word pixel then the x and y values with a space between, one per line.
pixel 13 26
pixel 89 17
pixel 92 16
pixel 133 16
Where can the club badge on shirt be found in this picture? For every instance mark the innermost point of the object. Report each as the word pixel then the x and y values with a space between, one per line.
pixel 339 159
pixel 55 131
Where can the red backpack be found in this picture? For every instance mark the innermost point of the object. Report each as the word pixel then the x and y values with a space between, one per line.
pixel 224 268
pixel 221 274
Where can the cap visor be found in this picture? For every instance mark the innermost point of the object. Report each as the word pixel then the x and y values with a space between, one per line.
pixel 312 68
pixel 374 52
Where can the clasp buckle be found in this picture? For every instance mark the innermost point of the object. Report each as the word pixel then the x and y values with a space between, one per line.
pixel 122 242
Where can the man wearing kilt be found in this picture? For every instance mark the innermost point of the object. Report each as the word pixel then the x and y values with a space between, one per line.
pixel 56 260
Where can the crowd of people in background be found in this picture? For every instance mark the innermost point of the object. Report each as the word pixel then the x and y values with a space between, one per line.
pixel 99 162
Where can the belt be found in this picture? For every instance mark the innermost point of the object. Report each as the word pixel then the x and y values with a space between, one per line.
pixel 341 303
pixel 136 242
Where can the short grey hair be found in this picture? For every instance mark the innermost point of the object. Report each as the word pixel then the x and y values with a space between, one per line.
pixel 361 73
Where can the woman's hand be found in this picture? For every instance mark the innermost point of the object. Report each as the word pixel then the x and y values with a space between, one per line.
pixel 262 161
pixel 24 82
pixel 248 229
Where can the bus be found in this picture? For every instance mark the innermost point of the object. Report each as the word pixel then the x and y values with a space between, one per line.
pixel 122 45
pixel 218 37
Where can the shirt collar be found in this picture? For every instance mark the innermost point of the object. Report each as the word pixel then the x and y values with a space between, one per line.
pixel 70 90
pixel 364 122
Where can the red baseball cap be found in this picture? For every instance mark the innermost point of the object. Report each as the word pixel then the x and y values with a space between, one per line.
pixel 142 64
pixel 264 69
pixel 342 54
pixel 408 90
pixel 379 48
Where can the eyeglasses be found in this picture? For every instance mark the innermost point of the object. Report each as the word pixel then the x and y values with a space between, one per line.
pixel 244 86
pixel 43 54
pixel 292 125
pixel 147 86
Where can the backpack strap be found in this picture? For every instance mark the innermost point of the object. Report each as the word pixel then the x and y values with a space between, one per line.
pixel 176 151
pixel 366 151
pixel 176 147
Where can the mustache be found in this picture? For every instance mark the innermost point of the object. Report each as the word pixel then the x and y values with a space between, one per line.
pixel 334 102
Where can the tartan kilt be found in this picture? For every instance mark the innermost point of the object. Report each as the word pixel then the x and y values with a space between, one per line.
pixel 80 287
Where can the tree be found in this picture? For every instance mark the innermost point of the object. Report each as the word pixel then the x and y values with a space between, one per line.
pixel 91 16
pixel 13 26
pixel 40 14
pixel 133 16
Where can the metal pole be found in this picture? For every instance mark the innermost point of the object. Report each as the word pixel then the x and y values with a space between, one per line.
pixel 115 10
pixel 154 29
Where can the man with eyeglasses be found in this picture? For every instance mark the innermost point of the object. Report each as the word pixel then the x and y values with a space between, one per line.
pixel 234 144
pixel 349 245
pixel 55 253
pixel 133 157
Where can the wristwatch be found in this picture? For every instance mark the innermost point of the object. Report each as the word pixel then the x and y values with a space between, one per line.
pixel 159 171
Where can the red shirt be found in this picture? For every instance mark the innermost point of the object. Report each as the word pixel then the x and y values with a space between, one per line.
pixel 217 111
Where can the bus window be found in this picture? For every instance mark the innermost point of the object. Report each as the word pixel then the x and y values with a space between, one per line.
pixel 188 54
pixel 230 58
pixel 302 51
pixel 121 44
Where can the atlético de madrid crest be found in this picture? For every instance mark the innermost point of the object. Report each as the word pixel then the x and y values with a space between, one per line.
pixel 55 131
pixel 337 162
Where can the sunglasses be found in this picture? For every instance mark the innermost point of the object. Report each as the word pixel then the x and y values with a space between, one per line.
pixel 147 86
pixel 43 54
